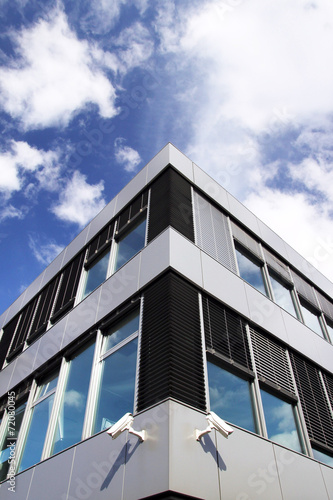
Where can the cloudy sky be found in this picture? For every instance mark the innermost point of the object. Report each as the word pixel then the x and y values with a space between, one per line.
pixel 91 90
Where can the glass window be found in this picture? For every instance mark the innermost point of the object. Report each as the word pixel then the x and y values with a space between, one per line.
pixel 311 319
pixel 72 410
pixel 230 397
pixel 96 274
pixel 116 392
pixel 280 421
pixel 9 443
pixel 117 385
pixel 250 270
pixel 40 417
pixel 329 325
pixel 323 457
pixel 131 243
pixel 282 294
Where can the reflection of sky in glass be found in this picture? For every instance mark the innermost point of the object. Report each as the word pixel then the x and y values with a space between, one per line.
pixel 250 271
pixel 11 435
pixel 122 330
pixel 230 397
pixel 282 295
pixel 311 320
pixel 131 243
pixel 322 457
pixel 97 274
pixel 116 394
pixel 72 410
pixel 280 421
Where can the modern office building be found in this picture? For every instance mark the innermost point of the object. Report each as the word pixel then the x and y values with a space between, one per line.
pixel 177 305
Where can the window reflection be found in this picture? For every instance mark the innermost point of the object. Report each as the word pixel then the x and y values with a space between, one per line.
pixel 10 437
pixel 116 392
pixel 250 270
pixel 230 397
pixel 122 330
pixel 40 417
pixel 71 415
pixel 280 421
pixel 131 243
pixel 282 295
pixel 96 274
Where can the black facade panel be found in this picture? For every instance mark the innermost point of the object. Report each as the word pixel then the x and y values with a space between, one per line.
pixel 171 361
pixel 171 205
pixel 314 404
pixel 43 310
pixel 225 333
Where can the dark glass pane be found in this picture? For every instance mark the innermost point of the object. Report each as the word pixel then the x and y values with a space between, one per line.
pixel 8 446
pixel 130 244
pixel 329 325
pixel 323 457
pixel 116 393
pixel 230 397
pixel 250 271
pixel 280 421
pixel 97 274
pixel 122 330
pixel 282 295
pixel 72 411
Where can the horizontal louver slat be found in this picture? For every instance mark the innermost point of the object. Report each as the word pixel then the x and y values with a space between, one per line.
pixel 271 361
pixel 170 205
pixel 171 361
pixel 304 289
pixel 225 332
pixel 326 305
pixel 43 310
pixel 212 232
pixel 315 408
pixel 246 240
pixel 277 265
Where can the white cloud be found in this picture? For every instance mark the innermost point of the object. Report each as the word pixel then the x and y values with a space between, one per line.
pixel 79 202
pixel 54 76
pixel 10 212
pixel 22 160
pixel 134 46
pixel 44 252
pixel 126 156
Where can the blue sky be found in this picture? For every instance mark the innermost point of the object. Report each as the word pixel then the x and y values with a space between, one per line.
pixel 91 90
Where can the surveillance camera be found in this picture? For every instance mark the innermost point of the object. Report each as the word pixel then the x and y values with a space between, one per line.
pixel 123 424
pixel 214 422
pixel 219 424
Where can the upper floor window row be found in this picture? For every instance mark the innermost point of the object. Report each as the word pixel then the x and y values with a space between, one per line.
pixel 117 243
pixel 243 254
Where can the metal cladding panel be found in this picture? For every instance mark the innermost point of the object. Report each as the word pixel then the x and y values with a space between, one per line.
pixel 171 358
pixel 271 361
pixel 314 404
pixel 212 232
pixel 170 205
pixel 225 332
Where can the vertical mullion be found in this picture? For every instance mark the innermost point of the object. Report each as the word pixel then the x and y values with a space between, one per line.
pixel 93 388
pixel 255 390
pixel 20 443
pixel 138 354
pixel 58 397
pixel 204 355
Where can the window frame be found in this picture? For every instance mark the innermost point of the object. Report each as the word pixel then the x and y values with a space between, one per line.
pixel 239 248
pixel 304 304
pixel 274 275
